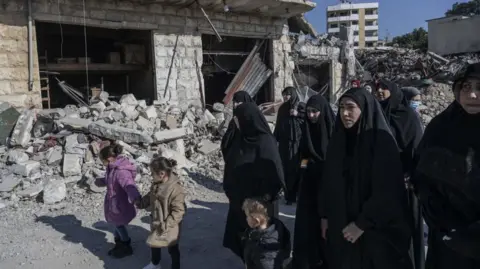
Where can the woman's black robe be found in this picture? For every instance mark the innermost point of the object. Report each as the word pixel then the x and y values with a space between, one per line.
pixel 447 181
pixel 407 130
pixel 309 246
pixel 364 184
pixel 288 133
pixel 253 169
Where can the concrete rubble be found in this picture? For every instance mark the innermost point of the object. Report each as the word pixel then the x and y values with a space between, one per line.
pixel 52 154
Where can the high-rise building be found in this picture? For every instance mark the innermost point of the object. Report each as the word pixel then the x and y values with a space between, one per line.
pixel 362 18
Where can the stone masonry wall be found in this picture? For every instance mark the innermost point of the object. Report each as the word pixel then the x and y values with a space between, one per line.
pixel 184 82
pixel 283 65
pixel 14 61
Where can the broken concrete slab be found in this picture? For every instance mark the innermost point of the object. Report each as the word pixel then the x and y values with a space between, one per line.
pixel 182 161
pixel 44 125
pixel 72 180
pixel 142 104
pixel 31 191
pixel 26 168
pixel 72 165
pixel 54 113
pixel 208 116
pixel 103 96
pixel 143 159
pixel 130 112
pixel 9 183
pixel 56 155
pixel 8 117
pixel 169 135
pixel 149 112
pixel 128 148
pixel 75 124
pixel 114 132
pixel 171 122
pixel 54 192
pixel 207 147
pixel 219 107
pixel 129 99
pixel 22 132
pixel 17 156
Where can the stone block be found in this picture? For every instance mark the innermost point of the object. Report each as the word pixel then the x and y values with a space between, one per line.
pixel 130 112
pixel 207 147
pixel 99 107
pixel 169 135
pixel 72 165
pixel 17 156
pixel 114 132
pixel 145 125
pixel 54 192
pixel 56 155
pixel 26 168
pixel 22 132
pixel 129 99
pixel 8 118
pixel 150 112
pixel 31 191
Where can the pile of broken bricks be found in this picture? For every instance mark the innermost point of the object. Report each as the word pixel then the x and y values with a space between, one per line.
pixel 43 153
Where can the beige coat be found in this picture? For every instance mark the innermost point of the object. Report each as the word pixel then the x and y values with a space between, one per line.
pixel 167 203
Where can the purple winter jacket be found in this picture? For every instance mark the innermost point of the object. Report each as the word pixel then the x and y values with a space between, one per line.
pixel 121 192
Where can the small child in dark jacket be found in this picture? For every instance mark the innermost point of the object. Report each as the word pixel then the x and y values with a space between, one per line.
pixel 267 242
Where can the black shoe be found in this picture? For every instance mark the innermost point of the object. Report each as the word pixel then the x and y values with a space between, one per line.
pixel 112 250
pixel 124 249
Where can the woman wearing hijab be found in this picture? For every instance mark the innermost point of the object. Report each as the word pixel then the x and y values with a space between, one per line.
pixel 447 178
pixel 308 245
pixel 407 130
pixel 238 99
pixel 413 96
pixel 288 134
pixel 365 207
pixel 253 169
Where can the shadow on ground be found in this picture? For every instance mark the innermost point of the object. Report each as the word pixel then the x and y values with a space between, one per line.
pixel 205 180
pixel 96 241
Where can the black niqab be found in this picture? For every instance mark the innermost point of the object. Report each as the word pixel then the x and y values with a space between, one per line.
pixel 363 183
pixel 404 122
pixel 229 136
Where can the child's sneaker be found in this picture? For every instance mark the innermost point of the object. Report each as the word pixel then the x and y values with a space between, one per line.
pixel 151 266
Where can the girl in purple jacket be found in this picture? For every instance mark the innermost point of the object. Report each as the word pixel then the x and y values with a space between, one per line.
pixel 120 198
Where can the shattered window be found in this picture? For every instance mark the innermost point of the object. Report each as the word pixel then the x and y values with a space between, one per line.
pixel 334 25
pixel 355 11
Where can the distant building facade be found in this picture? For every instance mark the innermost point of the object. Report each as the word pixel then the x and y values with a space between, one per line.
pixel 362 18
pixel 454 35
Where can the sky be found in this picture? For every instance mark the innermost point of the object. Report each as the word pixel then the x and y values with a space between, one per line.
pixel 396 17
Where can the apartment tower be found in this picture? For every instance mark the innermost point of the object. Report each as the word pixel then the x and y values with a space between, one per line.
pixel 362 18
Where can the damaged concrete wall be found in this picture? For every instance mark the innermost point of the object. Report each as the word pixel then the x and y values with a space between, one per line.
pixel 184 84
pixel 337 80
pixel 14 59
pixel 451 36
pixel 283 65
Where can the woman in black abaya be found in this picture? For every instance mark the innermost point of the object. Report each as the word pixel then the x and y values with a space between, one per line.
pixel 308 244
pixel 253 169
pixel 407 130
pixel 365 204
pixel 227 139
pixel 447 178
pixel 288 134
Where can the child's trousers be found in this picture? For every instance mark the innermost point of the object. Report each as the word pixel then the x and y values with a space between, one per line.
pixel 174 252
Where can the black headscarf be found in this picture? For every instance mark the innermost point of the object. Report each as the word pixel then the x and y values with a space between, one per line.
pixel 285 126
pixel 410 92
pixel 317 135
pixel 256 146
pixel 363 183
pixel 229 136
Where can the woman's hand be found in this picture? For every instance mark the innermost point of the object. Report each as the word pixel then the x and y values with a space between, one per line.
pixel 293 112
pixel 351 233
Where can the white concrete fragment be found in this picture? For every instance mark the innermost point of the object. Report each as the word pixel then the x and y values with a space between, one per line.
pixel 207 147
pixel 114 132
pixel 145 125
pixel 182 161
pixel 83 110
pixel 54 113
pixel 54 192
pixel 99 107
pixel 26 168
pixel 103 96
pixel 75 123
pixel 219 107
pixel 208 116
pixel 169 135
pixel 112 105
pixel 22 132
pixel 129 99
pixel 56 155
pixel 142 104
pixel 130 112
pixel 31 191
pixel 128 148
pixel 73 179
pixel 143 159
pixel 17 156
pixel 72 165
pixel 9 183
pixel 72 146
pixel 149 112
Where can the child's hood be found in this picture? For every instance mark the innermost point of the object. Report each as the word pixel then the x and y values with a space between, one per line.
pixel 123 163
pixel 275 233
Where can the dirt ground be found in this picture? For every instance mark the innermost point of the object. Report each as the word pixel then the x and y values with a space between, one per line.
pixel 74 235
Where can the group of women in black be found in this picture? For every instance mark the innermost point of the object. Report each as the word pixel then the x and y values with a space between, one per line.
pixel 368 175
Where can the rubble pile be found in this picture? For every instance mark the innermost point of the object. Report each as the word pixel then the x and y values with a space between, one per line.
pixel 53 153
pixel 435 99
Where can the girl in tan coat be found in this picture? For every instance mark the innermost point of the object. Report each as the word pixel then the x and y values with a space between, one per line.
pixel 166 200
